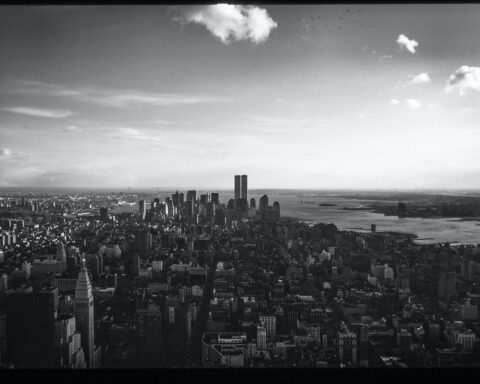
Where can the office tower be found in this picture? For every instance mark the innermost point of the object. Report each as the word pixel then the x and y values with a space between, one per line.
pixel 175 199
pixel 215 198
pixel 220 218
pixel 263 203
pixel 188 208
pixel 404 339
pixel 83 311
pixel 210 211
pixel 261 338
pixel 192 195
pixel 434 333
pixel 447 284
pixel 103 214
pixel 93 264
pixel 253 204
pixel 169 208
pixel 142 208
pixel 276 207
pixel 69 351
pixel 231 204
pixel 204 199
pixel 30 329
pixel 181 198
pixel 135 264
pixel 244 189
pixel 2 256
pixel 60 254
pixel 466 340
pixel 238 187
pixel 347 347
pixel 3 339
pixel 242 205
pixel 388 274
pixel 269 322
pixel 144 242
pixel 189 320
pixel 148 328
pixel 292 319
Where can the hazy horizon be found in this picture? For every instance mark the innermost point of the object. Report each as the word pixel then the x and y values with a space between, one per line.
pixel 316 97
pixel 250 190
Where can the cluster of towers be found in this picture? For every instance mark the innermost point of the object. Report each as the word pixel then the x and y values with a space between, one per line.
pixel 45 330
pixel 208 208
pixel 241 207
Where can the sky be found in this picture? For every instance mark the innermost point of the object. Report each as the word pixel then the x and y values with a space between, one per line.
pixel 311 96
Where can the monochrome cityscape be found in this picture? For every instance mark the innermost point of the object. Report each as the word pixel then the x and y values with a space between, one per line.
pixel 239 186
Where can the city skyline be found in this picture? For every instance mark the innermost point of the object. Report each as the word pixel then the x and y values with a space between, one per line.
pixel 297 97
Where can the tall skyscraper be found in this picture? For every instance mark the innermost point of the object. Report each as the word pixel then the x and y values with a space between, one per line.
pixel 263 204
pixel 142 208
pixel 215 198
pixel 192 195
pixel 144 242
pixel 83 311
pixel 347 347
pixel 148 327
pixel 188 208
pixel 68 343
pixel 237 187
pixel 241 187
pixel 261 338
pixel 244 188
pixel 269 322
pixel 60 255
pixel 30 329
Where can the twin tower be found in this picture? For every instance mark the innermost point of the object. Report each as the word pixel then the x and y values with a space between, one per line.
pixel 241 187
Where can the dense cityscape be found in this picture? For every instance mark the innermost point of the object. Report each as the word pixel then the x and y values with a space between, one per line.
pixel 193 282
pixel 228 189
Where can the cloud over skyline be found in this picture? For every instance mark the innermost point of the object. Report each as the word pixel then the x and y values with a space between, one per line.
pixel 111 98
pixel 409 103
pixel 152 101
pixel 4 152
pixel 463 79
pixel 39 112
pixel 421 78
pixel 409 44
pixel 230 22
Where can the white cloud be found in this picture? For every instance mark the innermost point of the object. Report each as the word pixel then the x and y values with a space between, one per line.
pixel 4 152
pixel 413 103
pixel 112 98
pixel 421 78
pixel 10 156
pixel 231 22
pixel 142 135
pixel 72 128
pixel 409 44
pixel 409 103
pixel 50 113
pixel 361 117
pixel 433 106
pixel 464 78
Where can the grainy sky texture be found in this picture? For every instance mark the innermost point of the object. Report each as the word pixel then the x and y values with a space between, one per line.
pixel 312 96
